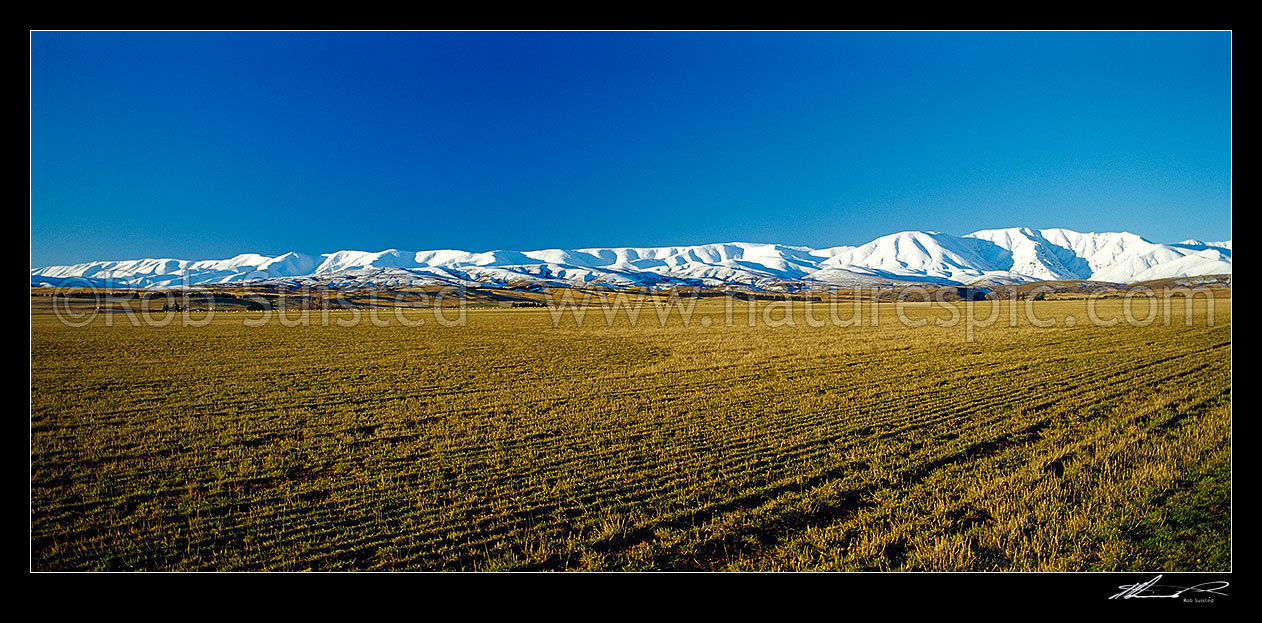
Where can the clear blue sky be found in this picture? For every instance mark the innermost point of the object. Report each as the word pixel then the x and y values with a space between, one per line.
pixel 205 145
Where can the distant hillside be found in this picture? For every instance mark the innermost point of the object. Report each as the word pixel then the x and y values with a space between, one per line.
pixel 986 258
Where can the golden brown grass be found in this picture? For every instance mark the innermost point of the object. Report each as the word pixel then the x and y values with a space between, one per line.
pixel 512 444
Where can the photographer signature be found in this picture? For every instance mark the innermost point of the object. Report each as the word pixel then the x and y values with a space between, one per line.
pixel 1151 589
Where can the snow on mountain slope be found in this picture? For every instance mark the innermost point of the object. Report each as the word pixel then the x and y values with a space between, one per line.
pixel 170 272
pixel 1163 263
pixel 1100 250
pixel 1200 245
pixel 1000 255
pixel 1118 257
pixel 925 256
pixel 1032 255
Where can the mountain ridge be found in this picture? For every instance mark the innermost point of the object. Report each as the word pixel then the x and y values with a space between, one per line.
pixel 1011 255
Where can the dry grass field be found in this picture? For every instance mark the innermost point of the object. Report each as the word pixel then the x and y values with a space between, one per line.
pixel 513 444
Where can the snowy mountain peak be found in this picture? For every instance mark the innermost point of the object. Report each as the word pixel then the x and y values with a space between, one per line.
pixel 1015 254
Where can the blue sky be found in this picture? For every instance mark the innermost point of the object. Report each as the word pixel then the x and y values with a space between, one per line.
pixel 206 145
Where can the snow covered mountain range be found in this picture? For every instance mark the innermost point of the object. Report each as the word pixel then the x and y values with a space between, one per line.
pixel 989 256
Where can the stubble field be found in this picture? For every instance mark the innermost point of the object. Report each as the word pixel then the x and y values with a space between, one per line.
pixel 512 444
